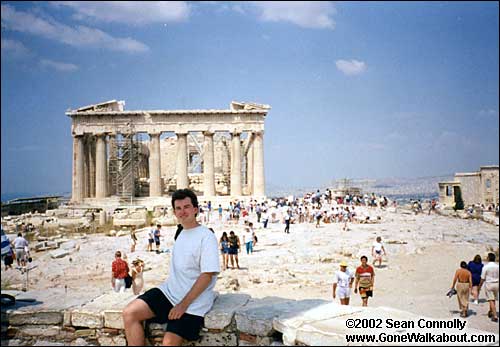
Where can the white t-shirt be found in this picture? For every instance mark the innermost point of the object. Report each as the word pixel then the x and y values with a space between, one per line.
pixel 343 278
pixel 489 272
pixel 377 247
pixel 195 251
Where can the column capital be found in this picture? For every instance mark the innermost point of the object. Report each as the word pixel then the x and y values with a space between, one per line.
pixel 208 133
pixel 154 133
pixel 177 133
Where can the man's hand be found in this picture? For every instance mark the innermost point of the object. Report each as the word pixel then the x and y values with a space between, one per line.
pixel 355 290
pixel 177 311
pixel 334 295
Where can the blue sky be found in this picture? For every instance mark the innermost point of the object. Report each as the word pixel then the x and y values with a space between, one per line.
pixel 359 90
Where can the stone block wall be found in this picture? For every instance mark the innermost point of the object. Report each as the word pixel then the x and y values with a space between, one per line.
pixel 234 320
pixel 470 187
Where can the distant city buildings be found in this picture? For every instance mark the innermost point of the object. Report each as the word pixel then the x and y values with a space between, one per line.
pixel 479 188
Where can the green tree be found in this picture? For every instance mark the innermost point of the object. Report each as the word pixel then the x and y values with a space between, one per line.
pixel 459 202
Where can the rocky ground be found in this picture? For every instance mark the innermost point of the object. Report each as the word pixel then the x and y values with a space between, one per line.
pixel 423 254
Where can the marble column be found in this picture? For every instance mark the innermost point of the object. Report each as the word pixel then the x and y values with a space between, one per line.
pixel 91 156
pixel 258 155
pixel 236 165
pixel 208 164
pixel 112 164
pixel 101 172
pixel 154 166
pixel 250 165
pixel 182 162
pixel 86 167
pixel 78 157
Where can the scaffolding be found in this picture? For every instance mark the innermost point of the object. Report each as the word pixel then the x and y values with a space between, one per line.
pixel 123 165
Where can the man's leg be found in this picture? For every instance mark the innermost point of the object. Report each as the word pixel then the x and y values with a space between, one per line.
pixel 493 309
pixel 133 315
pixel 231 257
pixel 171 339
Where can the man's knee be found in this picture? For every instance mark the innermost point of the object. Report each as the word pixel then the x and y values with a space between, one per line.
pixel 130 312
pixel 171 339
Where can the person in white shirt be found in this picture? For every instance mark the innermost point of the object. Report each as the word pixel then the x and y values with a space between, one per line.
pixel 489 277
pixel 20 245
pixel 342 284
pixel 188 294
pixel 377 251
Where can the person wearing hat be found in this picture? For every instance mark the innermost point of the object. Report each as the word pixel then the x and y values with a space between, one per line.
pixel 342 284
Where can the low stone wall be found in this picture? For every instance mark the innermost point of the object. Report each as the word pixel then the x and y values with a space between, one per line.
pixel 235 320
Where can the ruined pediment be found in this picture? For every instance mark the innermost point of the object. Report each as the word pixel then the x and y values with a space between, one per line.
pixel 112 105
pixel 248 106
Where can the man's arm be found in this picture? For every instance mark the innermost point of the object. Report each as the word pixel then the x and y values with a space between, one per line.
pixel 454 280
pixel 113 275
pixel 198 287
pixel 334 289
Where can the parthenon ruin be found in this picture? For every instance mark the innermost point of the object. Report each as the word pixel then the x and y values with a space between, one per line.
pixel 214 152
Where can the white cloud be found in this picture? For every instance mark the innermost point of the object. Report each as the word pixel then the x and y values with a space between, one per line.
pixel 488 113
pixel 59 66
pixel 80 36
pixel 14 49
pixel 307 14
pixel 129 12
pixel 352 67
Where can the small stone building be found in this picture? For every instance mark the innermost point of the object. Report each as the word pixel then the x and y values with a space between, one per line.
pixel 476 187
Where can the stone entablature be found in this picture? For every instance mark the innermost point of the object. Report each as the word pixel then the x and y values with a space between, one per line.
pixel 95 127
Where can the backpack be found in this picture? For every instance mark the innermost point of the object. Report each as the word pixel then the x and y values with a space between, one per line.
pixel 178 231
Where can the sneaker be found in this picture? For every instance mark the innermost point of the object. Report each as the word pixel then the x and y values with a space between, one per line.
pixel 494 319
pixel 476 302
pixel 490 314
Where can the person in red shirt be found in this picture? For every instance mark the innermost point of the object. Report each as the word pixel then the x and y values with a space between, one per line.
pixel 119 270
pixel 365 277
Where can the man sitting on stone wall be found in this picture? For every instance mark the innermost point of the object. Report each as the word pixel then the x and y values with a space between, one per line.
pixel 187 295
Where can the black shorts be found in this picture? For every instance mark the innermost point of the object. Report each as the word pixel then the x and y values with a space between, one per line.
pixel 8 260
pixel 187 327
pixel 233 251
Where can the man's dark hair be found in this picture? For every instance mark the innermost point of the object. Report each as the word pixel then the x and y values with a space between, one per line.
pixel 463 265
pixel 19 234
pixel 491 257
pixel 364 256
pixel 181 194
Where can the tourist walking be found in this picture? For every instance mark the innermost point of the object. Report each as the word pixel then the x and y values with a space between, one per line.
pixel 188 294
pixel 248 240
pixel 475 267
pixel 234 248
pixel 8 254
pixel 489 278
pixel 377 251
pixel 462 283
pixel 157 235
pixel 137 278
pixel 20 244
pixel 342 284
pixel 365 280
pixel 287 221
pixel 119 270
pixel 224 249
pixel 133 237
pixel 151 237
